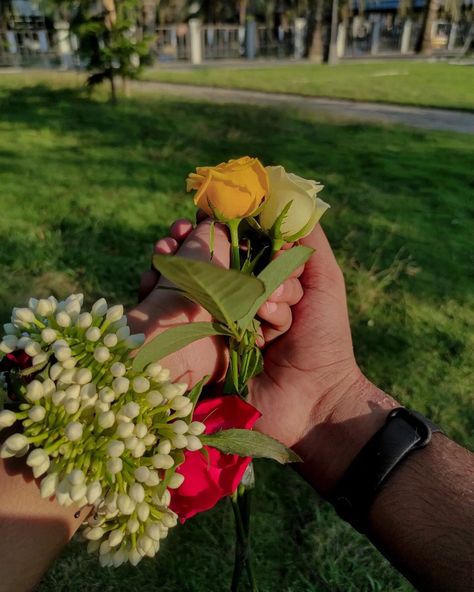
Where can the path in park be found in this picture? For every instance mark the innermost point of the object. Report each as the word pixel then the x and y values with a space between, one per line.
pixel 436 119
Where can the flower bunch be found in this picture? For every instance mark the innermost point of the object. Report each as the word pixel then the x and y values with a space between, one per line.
pixel 97 432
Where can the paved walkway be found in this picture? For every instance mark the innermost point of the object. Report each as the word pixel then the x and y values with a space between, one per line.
pixel 436 119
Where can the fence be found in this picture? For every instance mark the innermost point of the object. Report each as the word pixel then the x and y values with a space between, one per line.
pixel 28 41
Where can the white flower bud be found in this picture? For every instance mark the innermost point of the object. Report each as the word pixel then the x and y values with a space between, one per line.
pixel 171 390
pixel 125 504
pixel 71 406
pixel 131 442
pixel 106 420
pixel 76 477
pixel 116 537
pixel 125 430
pixel 63 353
pixel 5 348
pixel 94 534
pixel 135 341
pixel 88 391
pixel 48 335
pixel 131 410
pixel 154 398
pixel 36 457
pixel 58 397
pixel 10 329
pixel 110 340
pixel 196 428
pixel 11 341
pixel 149 439
pixel 140 384
pixel 99 308
pixel 78 491
pixel 73 309
pixel 115 448
pixel 69 363
pixel 23 342
pixel 119 557
pixel 185 411
pixel 123 333
pixel 176 481
pixel 136 492
pixel 153 479
pixel 179 427
pixel 24 315
pixel 101 354
pixel 54 302
pixel 32 303
pixel 120 385
pixel 63 319
pixel 73 391
pixel 114 313
pixel 145 543
pixel 40 358
pixel 48 485
pixel 33 348
pixel 7 418
pixel 133 525
pixel 194 443
pixel 139 449
pixel 73 431
pixel 141 430
pixel 153 530
pixel 67 376
pixel 55 371
pixel 41 469
pixel 93 334
pixel 179 441
pixel 153 369
pixel 84 320
pixel 143 511
pixel 104 548
pixel 101 407
pixel 162 461
pixel 5 452
pixel 37 413
pixel 16 442
pixel 142 474
pixel 164 447
pixel 83 376
pixel 168 519
pixel 179 402
pixel 94 491
pixel 166 498
pixel 93 546
pixel 117 369
pixel 114 465
pixel 44 308
pixel 134 557
pixel 107 395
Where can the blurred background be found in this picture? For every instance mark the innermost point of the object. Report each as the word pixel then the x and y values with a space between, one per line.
pixel 106 106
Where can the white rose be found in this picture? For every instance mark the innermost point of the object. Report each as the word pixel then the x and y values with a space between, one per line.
pixel 305 210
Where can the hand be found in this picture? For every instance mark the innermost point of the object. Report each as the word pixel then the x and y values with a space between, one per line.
pixel 312 395
pixel 161 309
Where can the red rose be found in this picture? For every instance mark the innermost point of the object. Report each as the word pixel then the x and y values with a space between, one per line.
pixel 212 476
pixel 17 359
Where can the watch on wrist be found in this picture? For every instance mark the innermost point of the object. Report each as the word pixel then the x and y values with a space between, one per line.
pixel 403 432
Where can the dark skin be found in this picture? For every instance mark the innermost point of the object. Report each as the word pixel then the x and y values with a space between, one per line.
pixel 314 398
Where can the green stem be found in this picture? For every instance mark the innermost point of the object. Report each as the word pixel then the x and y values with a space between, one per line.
pixel 241 507
pixel 277 244
pixel 234 242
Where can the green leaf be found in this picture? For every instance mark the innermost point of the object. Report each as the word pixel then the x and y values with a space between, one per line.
pixel 275 274
pixel 174 339
pixel 250 443
pixel 226 293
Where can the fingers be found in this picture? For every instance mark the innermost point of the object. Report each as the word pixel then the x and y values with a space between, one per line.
pixel 181 229
pixel 298 271
pixel 148 282
pixel 166 246
pixel 290 292
pixel 322 265
pixel 277 319
pixel 197 244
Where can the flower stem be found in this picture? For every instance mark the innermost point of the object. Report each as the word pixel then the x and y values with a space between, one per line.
pixel 277 244
pixel 241 506
pixel 234 241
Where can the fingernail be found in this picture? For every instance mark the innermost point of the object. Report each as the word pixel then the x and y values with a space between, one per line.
pixel 271 307
pixel 278 291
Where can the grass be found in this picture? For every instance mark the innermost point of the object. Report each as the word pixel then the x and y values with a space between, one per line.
pixel 407 83
pixel 86 188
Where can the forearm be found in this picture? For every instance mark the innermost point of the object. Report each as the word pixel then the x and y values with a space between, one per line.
pixel 422 517
pixel 33 530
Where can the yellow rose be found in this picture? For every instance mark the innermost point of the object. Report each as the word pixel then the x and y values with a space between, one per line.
pixel 305 209
pixel 230 190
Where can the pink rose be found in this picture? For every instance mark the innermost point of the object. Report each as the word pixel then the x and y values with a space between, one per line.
pixel 212 476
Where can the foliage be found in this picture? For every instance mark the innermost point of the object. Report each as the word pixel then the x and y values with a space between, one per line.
pixel 85 191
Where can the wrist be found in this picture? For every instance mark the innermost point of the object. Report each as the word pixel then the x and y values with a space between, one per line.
pixel 342 425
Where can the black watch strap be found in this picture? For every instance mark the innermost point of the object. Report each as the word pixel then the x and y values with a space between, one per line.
pixel 403 432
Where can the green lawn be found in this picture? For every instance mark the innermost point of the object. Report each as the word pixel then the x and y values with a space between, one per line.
pixel 86 188
pixel 408 83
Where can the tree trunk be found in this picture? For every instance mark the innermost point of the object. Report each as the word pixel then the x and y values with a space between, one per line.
pixel 113 90
pixel 314 49
pixel 424 44
pixel 243 11
pixel 332 57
